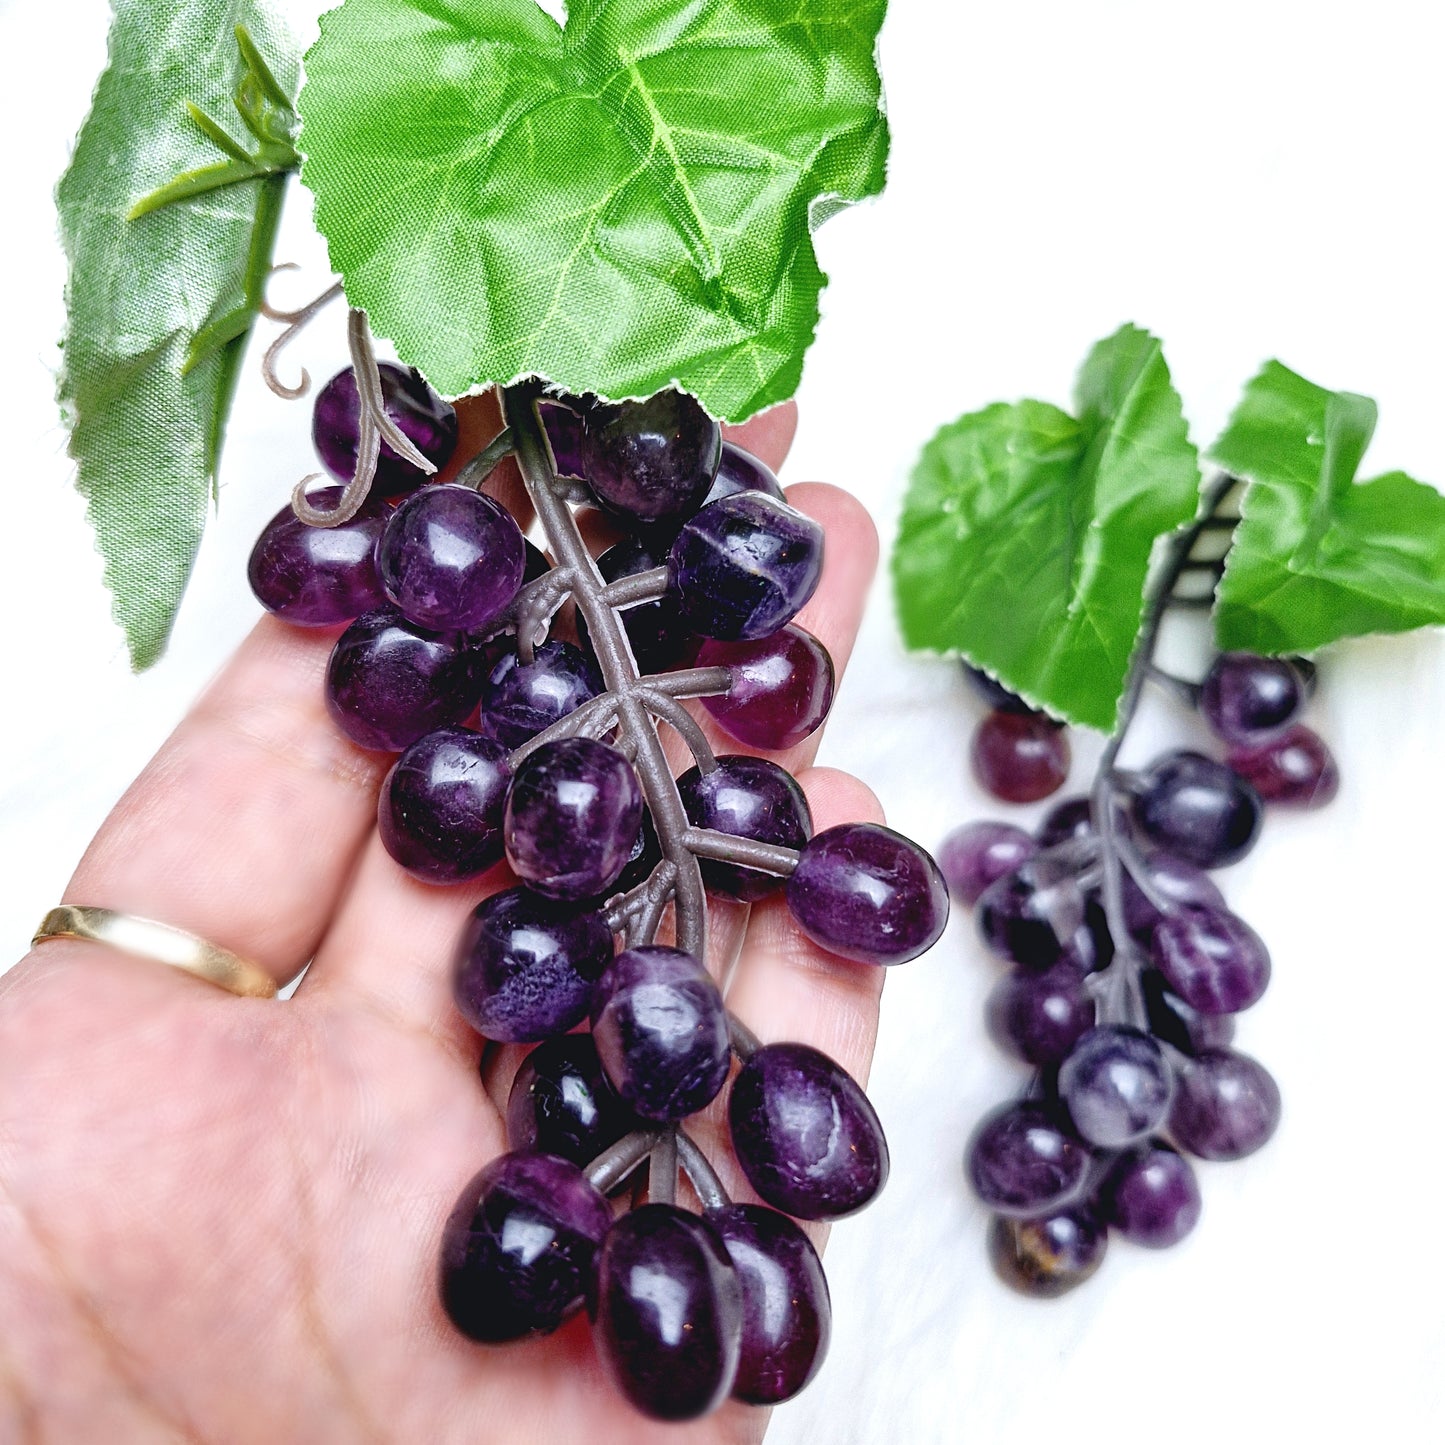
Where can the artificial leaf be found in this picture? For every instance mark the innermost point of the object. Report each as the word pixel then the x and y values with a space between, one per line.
pixel 145 296
pixel 617 205
pixel 1318 556
pixel 1026 534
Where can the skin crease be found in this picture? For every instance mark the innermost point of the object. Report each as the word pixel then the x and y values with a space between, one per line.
pixel 219 1218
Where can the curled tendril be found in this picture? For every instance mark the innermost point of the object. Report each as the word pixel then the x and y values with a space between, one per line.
pixel 295 321
pixel 682 723
pixel 373 426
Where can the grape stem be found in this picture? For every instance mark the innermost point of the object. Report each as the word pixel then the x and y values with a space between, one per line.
pixel 614 1164
pixel 1122 998
pixel 700 1174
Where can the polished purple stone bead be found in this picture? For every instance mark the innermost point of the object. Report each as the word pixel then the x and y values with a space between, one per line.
pixel 1024 1161
pixel 1177 882
pixel 1116 1086
pixel 1246 699
pixel 1040 1016
pixel 562 421
pixel 319 576
pixel 740 471
pixel 1199 810
pixel 782 687
pixel 750 798
pixel 1151 1197
pixel 1295 770
pixel 1020 757
pixel 651 459
pixel 668 1312
pixel 787 1315
pixel 743 567
pixel 992 691
pixel 1212 959
pixel 525 966
pixel 1069 821
pixel 644 856
pixel 1039 916
pixel 440 809
pixel 536 562
pixel 976 856
pixel 1226 1106
pixel 389 683
pixel 805 1133
pixel 427 421
pixel 518 1249
pixel 1045 1258
pixel 659 638
pixel 572 818
pixel 1172 1021
pixel 562 1104
pixel 451 558
pixel 520 699
pixel 867 893
pixel 661 1032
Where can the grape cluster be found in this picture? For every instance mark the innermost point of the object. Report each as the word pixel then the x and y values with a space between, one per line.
pixel 522 746
pixel 1127 965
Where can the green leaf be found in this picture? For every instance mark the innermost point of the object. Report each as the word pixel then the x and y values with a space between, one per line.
pixel 146 431
pixel 618 205
pixel 1026 534
pixel 1318 556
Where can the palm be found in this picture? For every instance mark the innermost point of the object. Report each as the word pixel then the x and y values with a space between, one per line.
pixel 221 1216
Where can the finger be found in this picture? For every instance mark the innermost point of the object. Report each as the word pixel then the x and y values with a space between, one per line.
pixel 768 435
pixel 246 824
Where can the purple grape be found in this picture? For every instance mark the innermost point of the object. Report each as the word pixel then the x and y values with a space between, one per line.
pixel 750 798
pixel 743 567
pixel 805 1133
pixel 645 855
pixel 1024 1161
pixel 1020 757
pixel 1247 699
pixel 440 809
pixel 1038 916
pixel 668 1312
pixel 1069 821
pixel 992 691
pixel 1173 1022
pixel 1045 1258
pixel 1199 810
pixel 1226 1106
pixel 572 818
pixel 451 559
pixel 1212 959
pixel 782 687
pixel 520 699
pixel 518 1248
pixel 1294 770
pixel 1151 1197
pixel 651 459
pixel 389 683
pixel 427 421
pixel 1039 1016
pixel 661 1032
pixel 659 638
pixel 562 421
pixel 561 1103
pixel 525 967
pixel 867 893
pixel 1116 1086
pixel 976 856
pixel 787 1316
pixel 319 576
pixel 1180 883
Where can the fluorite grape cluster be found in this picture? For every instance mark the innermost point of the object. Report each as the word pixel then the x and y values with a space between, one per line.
pixel 522 745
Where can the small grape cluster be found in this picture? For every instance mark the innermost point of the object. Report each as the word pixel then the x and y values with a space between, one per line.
pixel 1127 964
pixel 561 772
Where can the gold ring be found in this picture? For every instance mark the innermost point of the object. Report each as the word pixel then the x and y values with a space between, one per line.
pixel 145 938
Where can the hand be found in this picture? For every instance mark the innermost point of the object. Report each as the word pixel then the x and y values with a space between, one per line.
pixel 220 1217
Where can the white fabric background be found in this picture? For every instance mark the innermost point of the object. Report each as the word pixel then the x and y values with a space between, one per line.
pixel 1246 177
